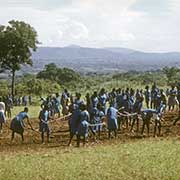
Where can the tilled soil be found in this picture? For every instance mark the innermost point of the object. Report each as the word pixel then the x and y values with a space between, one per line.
pixel 60 136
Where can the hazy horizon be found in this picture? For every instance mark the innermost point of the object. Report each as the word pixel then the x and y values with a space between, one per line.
pixel 143 25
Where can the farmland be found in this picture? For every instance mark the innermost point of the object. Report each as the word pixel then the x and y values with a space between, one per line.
pixel 130 156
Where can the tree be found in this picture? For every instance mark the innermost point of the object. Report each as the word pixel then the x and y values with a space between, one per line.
pixel 17 41
pixel 62 76
pixel 171 73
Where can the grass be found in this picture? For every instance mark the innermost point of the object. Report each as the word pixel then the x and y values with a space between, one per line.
pixel 146 159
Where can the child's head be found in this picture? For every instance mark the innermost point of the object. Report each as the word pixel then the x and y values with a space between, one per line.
pixel 46 108
pixel 83 107
pixel 26 109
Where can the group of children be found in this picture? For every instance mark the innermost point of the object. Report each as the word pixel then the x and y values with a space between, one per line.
pixel 89 115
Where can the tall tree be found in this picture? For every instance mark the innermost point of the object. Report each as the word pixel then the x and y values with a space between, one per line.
pixel 17 41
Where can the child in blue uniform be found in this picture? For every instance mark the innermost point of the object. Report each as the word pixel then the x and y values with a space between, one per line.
pixel 44 117
pixel 17 124
pixel 112 120
pixel 78 100
pixel 73 122
pixel 82 130
pixel 97 115
pixel 103 99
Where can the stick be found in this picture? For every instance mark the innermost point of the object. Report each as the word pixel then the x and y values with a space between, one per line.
pixel 62 118
pixel 33 130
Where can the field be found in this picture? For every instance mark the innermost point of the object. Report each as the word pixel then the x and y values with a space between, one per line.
pixel 145 159
pixel 130 156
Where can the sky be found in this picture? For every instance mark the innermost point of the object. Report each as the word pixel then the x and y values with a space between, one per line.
pixel 146 25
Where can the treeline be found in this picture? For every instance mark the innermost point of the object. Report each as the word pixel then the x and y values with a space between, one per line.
pixel 53 79
pixel 50 80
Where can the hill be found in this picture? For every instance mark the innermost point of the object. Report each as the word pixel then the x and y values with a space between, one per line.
pixel 102 60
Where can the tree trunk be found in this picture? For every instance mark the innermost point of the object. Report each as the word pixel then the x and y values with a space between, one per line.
pixel 13 84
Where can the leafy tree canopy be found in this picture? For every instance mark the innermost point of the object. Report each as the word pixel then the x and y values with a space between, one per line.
pixel 17 41
pixel 60 75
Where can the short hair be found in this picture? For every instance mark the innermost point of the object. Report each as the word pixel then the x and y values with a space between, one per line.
pixel 26 109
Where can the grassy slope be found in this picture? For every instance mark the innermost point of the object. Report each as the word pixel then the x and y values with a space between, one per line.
pixel 146 159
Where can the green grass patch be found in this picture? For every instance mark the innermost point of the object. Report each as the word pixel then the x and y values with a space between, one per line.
pixel 146 159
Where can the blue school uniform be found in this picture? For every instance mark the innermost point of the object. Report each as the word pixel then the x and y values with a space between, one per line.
pixel 112 118
pixel 96 119
pixel 102 101
pixel 73 121
pixel 95 101
pixel 17 124
pixel 2 117
pixel 78 102
pixel 83 125
pixel 44 117
pixel 151 112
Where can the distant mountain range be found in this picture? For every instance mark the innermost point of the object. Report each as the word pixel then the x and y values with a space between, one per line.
pixel 102 60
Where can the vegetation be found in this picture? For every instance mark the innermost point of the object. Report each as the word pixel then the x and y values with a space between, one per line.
pixel 17 41
pixel 54 79
pixel 145 159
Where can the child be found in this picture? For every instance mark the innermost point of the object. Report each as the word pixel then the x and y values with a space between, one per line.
pixel 2 116
pixel 112 120
pixel 82 130
pixel 97 115
pixel 57 104
pixel 44 117
pixel 17 124
pixel 73 122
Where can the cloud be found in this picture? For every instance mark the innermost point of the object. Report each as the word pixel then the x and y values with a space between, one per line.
pixel 150 25
pixel 153 7
pixel 36 4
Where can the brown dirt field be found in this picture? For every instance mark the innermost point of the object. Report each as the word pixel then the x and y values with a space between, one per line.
pixel 60 136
